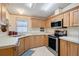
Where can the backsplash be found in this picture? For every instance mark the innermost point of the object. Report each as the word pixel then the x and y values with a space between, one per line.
pixel 35 30
pixel 73 31
pixel 50 30
pixel 2 34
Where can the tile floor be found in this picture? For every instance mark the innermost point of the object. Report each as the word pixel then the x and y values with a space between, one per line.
pixel 40 51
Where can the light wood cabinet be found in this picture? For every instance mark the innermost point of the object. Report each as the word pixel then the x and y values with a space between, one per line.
pixel 27 43
pixel 71 18
pixel 68 48
pixel 48 23
pixel 32 42
pixel 21 46
pixel 45 40
pixel 2 13
pixel 38 40
pixel 37 23
pixel 63 48
pixel 76 17
pixel 24 44
pixel 66 19
pixel 78 50
pixel 8 51
pixel 72 49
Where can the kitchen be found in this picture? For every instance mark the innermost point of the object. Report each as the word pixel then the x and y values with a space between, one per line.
pixel 25 30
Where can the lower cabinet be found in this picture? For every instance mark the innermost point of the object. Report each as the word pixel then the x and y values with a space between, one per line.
pixel 72 49
pixel 8 51
pixel 21 46
pixel 45 40
pixel 38 41
pixel 27 43
pixel 68 48
pixel 24 44
pixel 63 48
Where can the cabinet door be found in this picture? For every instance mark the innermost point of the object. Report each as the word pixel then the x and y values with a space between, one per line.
pixel 21 46
pixel 3 13
pixel 63 48
pixel 66 19
pixel 39 40
pixel 8 52
pixel 0 12
pixel 78 50
pixel 32 41
pixel 45 40
pixel 71 18
pixel 48 23
pixel 76 17
pixel 43 23
pixel 36 23
pixel 72 49
pixel 27 43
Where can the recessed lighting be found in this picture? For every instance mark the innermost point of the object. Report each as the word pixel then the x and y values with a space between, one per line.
pixel 47 6
pixel 20 11
pixel 29 5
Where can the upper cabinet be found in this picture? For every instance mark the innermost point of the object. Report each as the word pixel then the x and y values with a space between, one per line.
pixel 66 19
pixel 74 17
pixel 71 18
pixel 37 23
pixel 2 14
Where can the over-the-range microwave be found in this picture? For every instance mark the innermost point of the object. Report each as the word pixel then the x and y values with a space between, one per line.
pixel 57 24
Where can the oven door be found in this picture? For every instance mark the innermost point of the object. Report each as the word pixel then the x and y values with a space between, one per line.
pixel 53 43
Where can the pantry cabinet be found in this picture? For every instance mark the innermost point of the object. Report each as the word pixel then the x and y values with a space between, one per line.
pixel 68 48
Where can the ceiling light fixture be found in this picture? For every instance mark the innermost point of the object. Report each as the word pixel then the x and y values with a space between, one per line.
pixel 29 5
pixel 47 6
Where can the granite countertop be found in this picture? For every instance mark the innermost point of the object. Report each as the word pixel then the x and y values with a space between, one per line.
pixel 10 41
pixel 71 39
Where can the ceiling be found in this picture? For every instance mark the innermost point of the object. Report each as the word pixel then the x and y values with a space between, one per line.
pixel 35 9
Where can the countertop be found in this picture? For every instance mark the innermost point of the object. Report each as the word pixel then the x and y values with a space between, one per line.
pixel 10 41
pixel 71 39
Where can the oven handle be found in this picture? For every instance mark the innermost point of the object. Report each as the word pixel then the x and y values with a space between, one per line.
pixel 53 38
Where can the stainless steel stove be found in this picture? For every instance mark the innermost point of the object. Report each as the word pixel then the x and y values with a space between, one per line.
pixel 54 41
